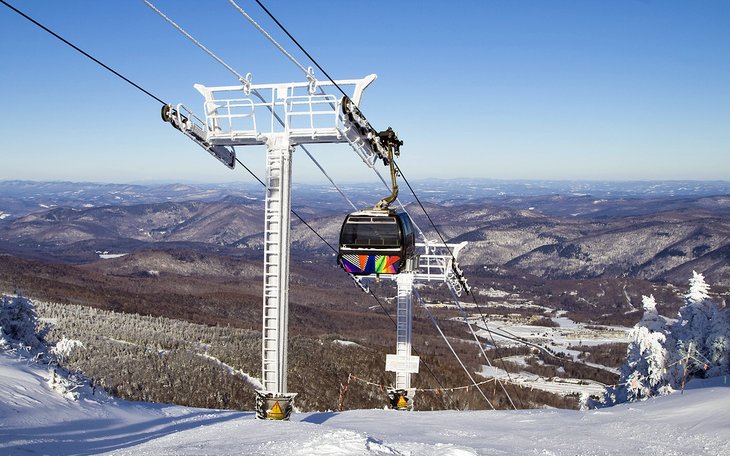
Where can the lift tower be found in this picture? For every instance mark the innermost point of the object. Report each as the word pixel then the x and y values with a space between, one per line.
pixel 435 262
pixel 280 117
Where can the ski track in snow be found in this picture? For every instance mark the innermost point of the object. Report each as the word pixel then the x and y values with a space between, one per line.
pixel 34 419
pixel 255 382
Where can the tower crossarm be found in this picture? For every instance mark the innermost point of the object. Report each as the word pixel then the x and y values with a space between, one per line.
pixel 306 112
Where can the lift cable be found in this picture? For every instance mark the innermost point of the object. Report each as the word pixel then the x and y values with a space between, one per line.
pixel 157 99
pixel 273 41
pixel 464 315
pixel 143 90
pixel 418 200
pixel 380 303
pixel 435 323
pixel 247 84
pixel 301 48
pixel 292 211
pixel 394 163
pixel 84 53
pixel 244 80
pixel 503 333
pixel 473 297
pixel 258 95
pixel 316 163
pixel 482 316
pixel 308 74
pixel 151 95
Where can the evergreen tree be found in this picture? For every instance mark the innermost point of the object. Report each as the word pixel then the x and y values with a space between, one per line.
pixel 18 322
pixel 698 289
pixel 718 343
pixel 691 330
pixel 643 373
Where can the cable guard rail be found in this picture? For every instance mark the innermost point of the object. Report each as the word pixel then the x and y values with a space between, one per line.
pixel 246 115
pixel 433 390
pixel 522 384
pixel 438 263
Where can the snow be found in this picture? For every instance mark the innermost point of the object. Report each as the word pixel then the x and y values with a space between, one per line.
pixel 34 419
pixel 64 347
pixel 560 338
pixel 565 322
pixel 105 255
pixel 557 385
pixel 346 343
pixel 493 293
pixel 255 382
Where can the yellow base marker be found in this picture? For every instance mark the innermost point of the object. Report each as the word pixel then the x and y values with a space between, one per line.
pixel 275 413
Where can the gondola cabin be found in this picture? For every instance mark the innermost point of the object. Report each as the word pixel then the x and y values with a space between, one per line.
pixel 376 242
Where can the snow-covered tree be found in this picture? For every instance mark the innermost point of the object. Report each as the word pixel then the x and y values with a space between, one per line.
pixel 718 343
pixel 18 321
pixel 698 289
pixel 64 348
pixel 19 332
pixel 651 318
pixel 691 330
pixel 643 373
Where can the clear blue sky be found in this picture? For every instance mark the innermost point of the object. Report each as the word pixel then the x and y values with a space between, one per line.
pixel 617 90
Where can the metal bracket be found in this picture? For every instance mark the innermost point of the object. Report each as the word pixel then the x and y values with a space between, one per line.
pixel 312 81
pixel 194 128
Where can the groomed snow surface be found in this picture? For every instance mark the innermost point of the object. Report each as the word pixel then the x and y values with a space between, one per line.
pixel 35 419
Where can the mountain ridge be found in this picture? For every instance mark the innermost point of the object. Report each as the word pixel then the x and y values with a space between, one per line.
pixel 550 236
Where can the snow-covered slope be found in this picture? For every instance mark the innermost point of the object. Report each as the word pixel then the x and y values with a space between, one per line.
pixel 35 419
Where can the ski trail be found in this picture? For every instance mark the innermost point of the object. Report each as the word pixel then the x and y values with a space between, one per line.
pixel 233 371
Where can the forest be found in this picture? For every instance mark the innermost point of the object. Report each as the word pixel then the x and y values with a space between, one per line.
pixel 171 361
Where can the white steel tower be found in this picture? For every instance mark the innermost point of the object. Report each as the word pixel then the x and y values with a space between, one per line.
pixel 280 117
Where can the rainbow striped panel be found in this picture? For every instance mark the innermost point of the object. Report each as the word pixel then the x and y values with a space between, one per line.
pixel 371 264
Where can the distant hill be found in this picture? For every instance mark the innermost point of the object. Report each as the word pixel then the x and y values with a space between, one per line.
pixel 652 234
